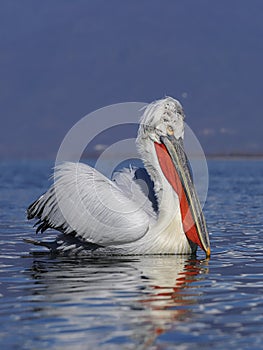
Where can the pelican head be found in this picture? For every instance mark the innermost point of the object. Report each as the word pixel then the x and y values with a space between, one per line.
pixel 160 142
pixel 162 118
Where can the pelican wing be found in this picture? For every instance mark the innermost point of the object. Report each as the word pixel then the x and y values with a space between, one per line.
pixel 137 184
pixel 85 203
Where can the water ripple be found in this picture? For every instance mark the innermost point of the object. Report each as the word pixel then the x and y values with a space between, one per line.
pixel 136 302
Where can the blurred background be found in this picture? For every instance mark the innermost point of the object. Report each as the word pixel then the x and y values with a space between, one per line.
pixel 60 60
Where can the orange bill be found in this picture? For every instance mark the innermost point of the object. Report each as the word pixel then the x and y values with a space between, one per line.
pixel 175 167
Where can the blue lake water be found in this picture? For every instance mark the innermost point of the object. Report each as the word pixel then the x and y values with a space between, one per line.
pixel 142 302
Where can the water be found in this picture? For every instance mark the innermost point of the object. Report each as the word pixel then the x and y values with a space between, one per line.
pixel 136 302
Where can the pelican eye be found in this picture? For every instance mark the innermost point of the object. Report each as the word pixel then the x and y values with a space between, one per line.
pixel 170 130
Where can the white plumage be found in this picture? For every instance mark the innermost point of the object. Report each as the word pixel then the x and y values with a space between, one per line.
pixel 136 212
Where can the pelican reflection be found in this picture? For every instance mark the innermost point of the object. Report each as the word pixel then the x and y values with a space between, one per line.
pixel 100 300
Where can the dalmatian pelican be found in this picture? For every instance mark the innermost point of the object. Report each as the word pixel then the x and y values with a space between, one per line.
pixel 149 210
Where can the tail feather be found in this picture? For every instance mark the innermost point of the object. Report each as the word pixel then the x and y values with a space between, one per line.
pixel 65 245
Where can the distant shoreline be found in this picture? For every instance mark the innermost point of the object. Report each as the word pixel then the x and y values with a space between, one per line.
pixel 235 156
pixel 95 156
